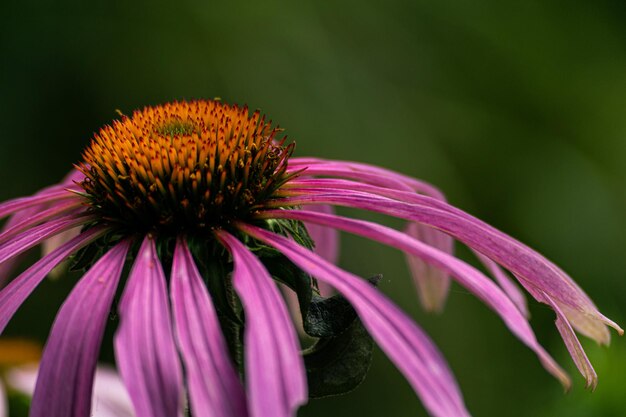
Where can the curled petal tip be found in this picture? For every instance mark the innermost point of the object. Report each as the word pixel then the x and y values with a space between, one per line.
pixel 616 326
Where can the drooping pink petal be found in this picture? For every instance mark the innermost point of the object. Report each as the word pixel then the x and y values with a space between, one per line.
pixel 68 364
pixel 506 283
pixel 586 322
pixel 31 237
pixel 525 263
pixel 432 283
pixel 214 387
pixel 467 276
pixel 347 167
pixel 326 244
pixel 37 218
pixel 403 341
pixel 348 172
pixel 14 294
pixel 21 203
pixel 276 379
pixel 573 345
pixel 326 239
pixel 9 265
pixel 144 343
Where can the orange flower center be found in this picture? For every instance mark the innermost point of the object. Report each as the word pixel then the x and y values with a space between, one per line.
pixel 183 166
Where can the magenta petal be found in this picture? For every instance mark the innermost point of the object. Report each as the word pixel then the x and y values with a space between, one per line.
pixel 214 387
pixel 573 345
pixel 27 222
pixel 9 265
pixel 525 263
pixel 403 341
pixel 470 278
pixel 326 241
pixel 506 283
pixel 55 193
pixel 432 283
pixel 26 240
pixel 275 372
pixel 14 294
pixel 355 170
pixel 144 343
pixel 66 373
pixel 568 335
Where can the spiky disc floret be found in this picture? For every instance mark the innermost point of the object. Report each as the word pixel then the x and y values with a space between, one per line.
pixel 183 166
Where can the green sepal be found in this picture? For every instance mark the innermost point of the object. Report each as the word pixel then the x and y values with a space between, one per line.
pixel 90 254
pixel 215 268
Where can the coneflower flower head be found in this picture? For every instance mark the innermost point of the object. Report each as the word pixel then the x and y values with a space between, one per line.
pixel 209 210
pixel 183 167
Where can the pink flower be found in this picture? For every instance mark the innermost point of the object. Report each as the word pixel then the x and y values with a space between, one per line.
pixel 109 398
pixel 187 193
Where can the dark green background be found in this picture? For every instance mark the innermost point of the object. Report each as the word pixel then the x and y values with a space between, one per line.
pixel 515 109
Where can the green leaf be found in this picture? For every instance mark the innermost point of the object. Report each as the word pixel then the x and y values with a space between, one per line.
pixel 337 365
pixel 329 317
pixel 340 360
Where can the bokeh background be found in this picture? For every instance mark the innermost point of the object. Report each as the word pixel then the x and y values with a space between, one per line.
pixel 515 109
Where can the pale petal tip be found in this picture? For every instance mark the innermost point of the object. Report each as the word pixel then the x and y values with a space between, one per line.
pixel 592 382
pixel 612 324
pixel 616 326
pixel 432 304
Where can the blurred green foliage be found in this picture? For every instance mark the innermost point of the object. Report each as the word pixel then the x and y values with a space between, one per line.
pixel 515 109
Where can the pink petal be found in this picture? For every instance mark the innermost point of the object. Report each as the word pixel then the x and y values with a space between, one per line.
pixel 274 368
pixel 144 343
pixel 433 283
pixel 326 239
pixel 14 294
pixel 573 345
pixel 470 278
pixel 47 196
pixel 38 217
pixel 29 238
pixel 214 387
pixel 521 260
pixel 9 265
pixel 405 343
pixel 326 244
pixel 354 170
pixel 65 381
pixel 506 283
